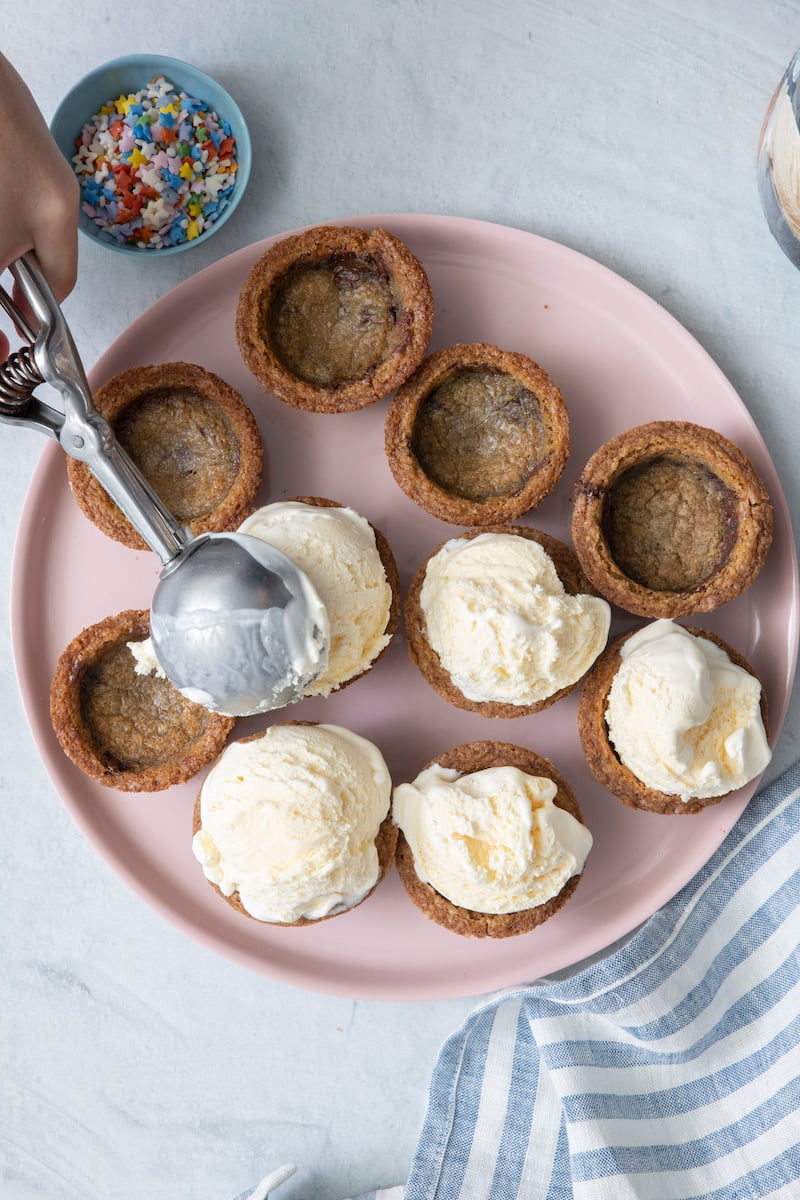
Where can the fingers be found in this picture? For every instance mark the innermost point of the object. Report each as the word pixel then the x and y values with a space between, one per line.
pixel 59 262
pixel 20 300
pixel 50 229
pixel 43 217
pixel 55 235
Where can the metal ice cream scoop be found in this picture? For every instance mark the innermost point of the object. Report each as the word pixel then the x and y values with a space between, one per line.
pixel 236 625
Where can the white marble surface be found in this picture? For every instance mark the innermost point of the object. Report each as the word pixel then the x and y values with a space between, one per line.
pixel 133 1062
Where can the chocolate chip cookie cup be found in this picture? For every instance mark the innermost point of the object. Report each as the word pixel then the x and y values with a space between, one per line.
pixel 478 435
pixel 193 438
pixel 525 850
pixel 686 732
pixel 333 319
pixel 502 621
pixel 669 519
pixel 293 825
pixel 128 728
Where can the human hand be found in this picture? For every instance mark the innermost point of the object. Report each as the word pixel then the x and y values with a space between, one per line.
pixel 39 193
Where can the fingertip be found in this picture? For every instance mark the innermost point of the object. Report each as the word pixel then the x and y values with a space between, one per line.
pixel 60 268
pixel 60 265
pixel 56 243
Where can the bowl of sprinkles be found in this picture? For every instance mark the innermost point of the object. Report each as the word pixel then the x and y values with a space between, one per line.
pixel 161 151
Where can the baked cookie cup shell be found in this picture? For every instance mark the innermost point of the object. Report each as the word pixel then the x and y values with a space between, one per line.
pixel 670 519
pixel 467 759
pixel 426 659
pixel 192 437
pixel 600 754
pixel 389 564
pixel 478 435
pixel 135 733
pixel 385 844
pixel 335 318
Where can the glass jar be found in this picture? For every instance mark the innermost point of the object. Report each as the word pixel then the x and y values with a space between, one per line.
pixel 778 166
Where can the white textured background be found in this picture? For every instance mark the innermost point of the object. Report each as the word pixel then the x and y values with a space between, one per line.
pixel 134 1063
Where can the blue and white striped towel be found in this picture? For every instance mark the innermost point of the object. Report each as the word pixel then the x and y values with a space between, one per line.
pixel 667 1071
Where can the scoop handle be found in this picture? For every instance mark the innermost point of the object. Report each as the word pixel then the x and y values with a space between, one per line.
pixel 84 433
pixel 119 476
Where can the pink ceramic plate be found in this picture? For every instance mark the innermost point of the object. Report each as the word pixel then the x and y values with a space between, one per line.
pixel 620 360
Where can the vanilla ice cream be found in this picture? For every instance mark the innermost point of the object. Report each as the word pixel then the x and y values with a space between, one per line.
pixel 492 841
pixel 682 717
pixel 782 146
pixel 336 549
pixel 145 661
pixel 504 629
pixel 289 821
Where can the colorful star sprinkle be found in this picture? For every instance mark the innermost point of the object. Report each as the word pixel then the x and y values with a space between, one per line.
pixel 156 168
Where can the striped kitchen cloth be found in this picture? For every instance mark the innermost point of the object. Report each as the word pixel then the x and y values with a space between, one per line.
pixel 669 1070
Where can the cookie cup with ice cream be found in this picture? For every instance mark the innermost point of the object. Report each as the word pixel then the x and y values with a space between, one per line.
pixel 672 719
pixel 292 825
pixel 492 841
pixel 353 570
pixel 502 621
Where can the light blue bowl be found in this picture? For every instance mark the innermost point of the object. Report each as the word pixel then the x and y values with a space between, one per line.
pixel 132 73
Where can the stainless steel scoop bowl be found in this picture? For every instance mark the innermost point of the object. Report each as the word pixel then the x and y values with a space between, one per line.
pixel 235 624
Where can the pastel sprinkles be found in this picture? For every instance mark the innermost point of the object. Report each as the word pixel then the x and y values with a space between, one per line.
pixel 156 167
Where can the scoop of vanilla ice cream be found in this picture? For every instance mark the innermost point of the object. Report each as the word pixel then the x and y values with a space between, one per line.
pixel 336 549
pixel 682 717
pixel 289 821
pixel 504 629
pixel 492 841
